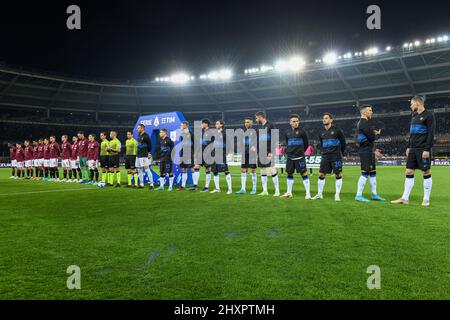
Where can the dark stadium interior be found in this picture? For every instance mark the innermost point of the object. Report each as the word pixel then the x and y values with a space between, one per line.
pixel 36 104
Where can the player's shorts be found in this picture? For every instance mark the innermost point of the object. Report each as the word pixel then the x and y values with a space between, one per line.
pixel 368 161
pixel 104 162
pixel 246 162
pixel 219 167
pixel 114 161
pixel 142 162
pixel 268 171
pixel 36 163
pixel 130 162
pixel 19 165
pixel 92 164
pixel 186 165
pixel 28 163
pixel 416 161
pixel 296 165
pixel 14 163
pixel 46 163
pixel 165 167
pixel 40 162
pixel 65 163
pixel 331 163
pixel 53 163
pixel 74 164
pixel 263 164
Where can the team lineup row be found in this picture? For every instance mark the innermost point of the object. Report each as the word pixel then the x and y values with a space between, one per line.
pixel 82 158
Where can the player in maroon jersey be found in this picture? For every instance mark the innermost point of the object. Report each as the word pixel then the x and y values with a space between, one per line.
pixel 28 155
pixel 20 157
pixel 54 155
pixel 40 158
pixel 46 148
pixel 82 154
pixel 92 158
pixel 35 160
pixel 74 163
pixel 66 154
pixel 12 158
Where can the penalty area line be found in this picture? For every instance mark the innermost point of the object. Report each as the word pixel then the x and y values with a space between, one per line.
pixel 44 191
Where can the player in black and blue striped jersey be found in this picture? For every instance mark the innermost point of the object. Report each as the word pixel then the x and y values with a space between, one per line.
pixel 421 141
pixel 332 145
pixel 366 136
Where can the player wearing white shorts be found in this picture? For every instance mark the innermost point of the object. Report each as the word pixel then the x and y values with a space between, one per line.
pixel 28 152
pixel 54 155
pixel 74 163
pixel 66 153
pixel 144 156
pixel 92 158
pixel 20 157
pixel 12 158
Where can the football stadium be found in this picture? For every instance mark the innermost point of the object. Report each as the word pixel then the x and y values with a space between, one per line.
pixel 94 204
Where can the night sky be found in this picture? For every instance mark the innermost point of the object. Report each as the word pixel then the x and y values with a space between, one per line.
pixel 143 39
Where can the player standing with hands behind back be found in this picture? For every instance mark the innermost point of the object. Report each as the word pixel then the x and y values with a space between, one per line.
pixel 114 159
pixel 367 135
pixel 420 144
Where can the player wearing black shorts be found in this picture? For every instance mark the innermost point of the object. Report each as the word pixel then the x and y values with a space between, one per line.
pixel 220 157
pixel 366 136
pixel 200 160
pixel 249 156
pixel 332 145
pixel 266 161
pixel 164 154
pixel 186 153
pixel 420 145
pixel 104 156
pixel 130 160
pixel 295 140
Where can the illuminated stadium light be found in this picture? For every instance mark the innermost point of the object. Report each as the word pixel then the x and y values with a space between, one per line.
pixel 265 68
pixel 294 64
pixel 417 43
pixel 223 74
pixel 388 48
pixel 433 40
pixel 405 46
pixel 203 76
pixel 445 38
pixel 348 55
pixel 440 39
pixel 330 58
pixel 179 78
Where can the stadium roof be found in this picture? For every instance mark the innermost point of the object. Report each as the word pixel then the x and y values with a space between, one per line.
pixel 397 74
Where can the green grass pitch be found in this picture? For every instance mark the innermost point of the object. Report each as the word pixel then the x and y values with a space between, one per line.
pixel 141 244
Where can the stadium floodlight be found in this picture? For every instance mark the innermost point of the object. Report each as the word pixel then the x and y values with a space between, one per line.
pixel 417 43
pixel 388 48
pixel 281 65
pixel 330 58
pixel 432 40
pixel 440 39
pixel 348 55
pixel 445 38
pixel 265 68
pixel 223 74
pixel 179 78
pixel 296 64
pixel 428 41
pixel 405 46
pixel 157 79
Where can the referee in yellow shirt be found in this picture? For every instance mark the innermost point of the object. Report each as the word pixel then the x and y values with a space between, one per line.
pixel 130 160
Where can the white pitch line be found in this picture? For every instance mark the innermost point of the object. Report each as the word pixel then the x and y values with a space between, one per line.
pixel 43 191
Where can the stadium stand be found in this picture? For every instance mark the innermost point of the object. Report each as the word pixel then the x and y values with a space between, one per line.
pixel 34 104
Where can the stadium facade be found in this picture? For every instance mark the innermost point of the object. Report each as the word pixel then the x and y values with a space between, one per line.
pixel 387 79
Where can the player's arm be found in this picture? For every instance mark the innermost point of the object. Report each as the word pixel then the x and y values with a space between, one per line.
pixel 341 138
pixel 431 125
pixel 148 142
pixel 305 140
pixel 368 131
